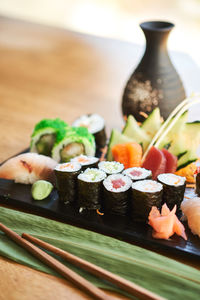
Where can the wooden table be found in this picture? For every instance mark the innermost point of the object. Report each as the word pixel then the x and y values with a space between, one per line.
pixel 46 73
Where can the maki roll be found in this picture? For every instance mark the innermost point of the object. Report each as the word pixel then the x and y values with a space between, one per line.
pixel 116 194
pixel 45 134
pixel 76 141
pixel 95 125
pixel 90 188
pixel 137 173
pixel 86 161
pixel 198 184
pixel 66 181
pixel 173 189
pixel 111 167
pixel 145 194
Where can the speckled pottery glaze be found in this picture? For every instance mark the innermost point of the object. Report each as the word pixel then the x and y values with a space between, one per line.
pixel 155 81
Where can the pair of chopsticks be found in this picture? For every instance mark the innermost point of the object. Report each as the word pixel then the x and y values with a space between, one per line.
pixel 26 241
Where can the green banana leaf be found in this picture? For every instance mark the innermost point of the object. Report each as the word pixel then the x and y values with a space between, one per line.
pixel 159 274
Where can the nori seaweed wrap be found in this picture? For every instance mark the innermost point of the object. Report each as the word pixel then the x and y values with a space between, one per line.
pixel 86 161
pixel 90 188
pixel 145 194
pixel 95 125
pixel 198 184
pixel 173 189
pixel 116 194
pixel 76 141
pixel 111 167
pixel 137 173
pixel 66 181
pixel 45 134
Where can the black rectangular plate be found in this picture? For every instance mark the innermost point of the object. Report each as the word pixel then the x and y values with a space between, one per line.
pixel 19 195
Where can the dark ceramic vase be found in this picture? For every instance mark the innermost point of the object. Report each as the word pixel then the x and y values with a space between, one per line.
pixel 155 81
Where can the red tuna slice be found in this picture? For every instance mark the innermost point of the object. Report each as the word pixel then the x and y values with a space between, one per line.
pixel 171 161
pixel 155 161
pixel 118 183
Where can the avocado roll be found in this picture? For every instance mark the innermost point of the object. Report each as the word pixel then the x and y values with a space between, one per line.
pixel 76 141
pixel 95 125
pixel 66 181
pixel 116 194
pixel 198 184
pixel 145 194
pixel 90 188
pixel 137 173
pixel 111 167
pixel 173 189
pixel 45 134
pixel 86 161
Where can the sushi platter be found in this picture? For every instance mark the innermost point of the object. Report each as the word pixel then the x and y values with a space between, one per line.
pixel 129 188
pixel 19 196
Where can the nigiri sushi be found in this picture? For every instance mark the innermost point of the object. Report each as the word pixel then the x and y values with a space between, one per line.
pixel 191 210
pixel 28 167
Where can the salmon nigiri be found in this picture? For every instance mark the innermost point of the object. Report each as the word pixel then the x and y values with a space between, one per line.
pixel 166 223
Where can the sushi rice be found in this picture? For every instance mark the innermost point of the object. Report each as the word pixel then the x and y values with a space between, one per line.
pixel 171 179
pixel 111 167
pixel 137 173
pixel 147 186
pixel 90 189
pixel 122 182
pixel 68 167
pixel 94 123
pixel 173 189
pixel 92 175
pixel 145 194
pixel 76 136
pixel 116 198
pixel 66 181
pixel 86 161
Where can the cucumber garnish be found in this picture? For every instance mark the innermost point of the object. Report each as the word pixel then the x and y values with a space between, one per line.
pixel 41 189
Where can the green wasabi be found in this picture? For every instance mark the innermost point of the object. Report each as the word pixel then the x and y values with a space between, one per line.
pixel 41 189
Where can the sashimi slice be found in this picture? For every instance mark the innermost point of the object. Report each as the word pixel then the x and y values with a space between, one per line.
pixel 120 154
pixel 155 161
pixel 171 161
pixel 129 154
pixel 134 154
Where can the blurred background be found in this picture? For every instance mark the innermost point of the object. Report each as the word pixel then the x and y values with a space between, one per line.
pixel 118 19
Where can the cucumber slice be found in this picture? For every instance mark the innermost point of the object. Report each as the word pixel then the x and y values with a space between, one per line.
pixel 187 159
pixel 136 133
pixel 116 138
pixel 153 123
pixel 191 138
pixel 41 189
pixel 174 139
pixel 192 134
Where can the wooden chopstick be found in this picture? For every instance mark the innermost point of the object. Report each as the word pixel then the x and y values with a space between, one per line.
pixel 82 283
pixel 122 283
